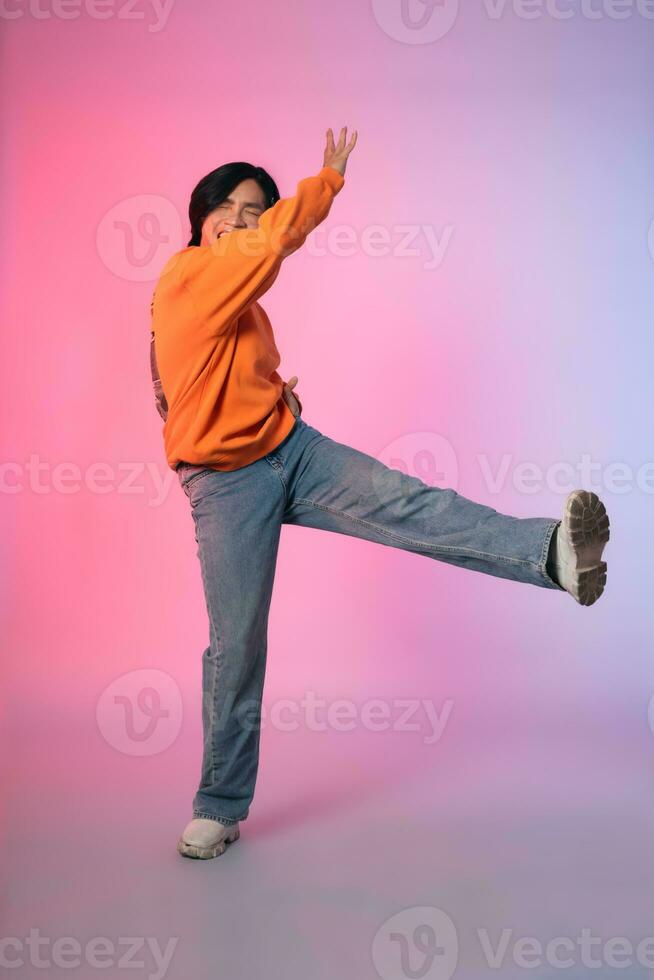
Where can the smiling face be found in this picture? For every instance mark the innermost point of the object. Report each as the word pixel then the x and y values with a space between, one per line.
pixel 242 209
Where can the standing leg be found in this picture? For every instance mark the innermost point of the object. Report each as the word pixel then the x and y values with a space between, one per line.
pixel 337 488
pixel 237 516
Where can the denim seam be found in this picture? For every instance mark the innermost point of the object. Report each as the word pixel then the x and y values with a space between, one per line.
pixel 211 816
pixel 217 667
pixel 279 470
pixel 447 549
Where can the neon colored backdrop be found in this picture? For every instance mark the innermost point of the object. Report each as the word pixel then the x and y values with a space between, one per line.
pixel 477 309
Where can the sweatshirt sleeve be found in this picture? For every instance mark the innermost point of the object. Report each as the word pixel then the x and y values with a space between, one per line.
pixel 224 278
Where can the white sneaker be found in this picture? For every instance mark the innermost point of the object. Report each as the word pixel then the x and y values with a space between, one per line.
pixel 206 838
pixel 580 540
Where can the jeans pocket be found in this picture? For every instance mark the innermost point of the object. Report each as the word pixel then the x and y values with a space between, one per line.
pixel 189 475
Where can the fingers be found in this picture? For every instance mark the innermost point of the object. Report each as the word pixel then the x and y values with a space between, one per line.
pixel 292 401
pixel 343 137
pixel 341 140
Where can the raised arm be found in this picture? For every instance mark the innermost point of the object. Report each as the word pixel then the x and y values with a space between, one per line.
pixel 224 278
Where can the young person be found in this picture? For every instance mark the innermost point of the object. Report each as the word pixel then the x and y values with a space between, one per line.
pixel 249 463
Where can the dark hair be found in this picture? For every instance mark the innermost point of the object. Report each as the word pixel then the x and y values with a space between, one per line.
pixel 217 185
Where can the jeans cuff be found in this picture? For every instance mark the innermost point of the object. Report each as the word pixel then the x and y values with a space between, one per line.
pixel 227 821
pixel 542 565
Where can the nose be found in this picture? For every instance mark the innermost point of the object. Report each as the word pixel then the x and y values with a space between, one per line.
pixel 234 221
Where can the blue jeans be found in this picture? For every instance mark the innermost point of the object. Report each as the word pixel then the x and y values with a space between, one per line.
pixel 311 480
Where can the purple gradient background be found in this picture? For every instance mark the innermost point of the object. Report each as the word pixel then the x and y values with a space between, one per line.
pixel 531 140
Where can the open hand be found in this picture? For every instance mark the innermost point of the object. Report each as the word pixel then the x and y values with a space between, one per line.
pixel 336 156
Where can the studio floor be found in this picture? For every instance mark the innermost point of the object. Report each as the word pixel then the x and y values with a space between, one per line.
pixel 366 854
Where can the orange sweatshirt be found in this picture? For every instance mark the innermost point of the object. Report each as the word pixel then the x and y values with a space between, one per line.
pixel 215 348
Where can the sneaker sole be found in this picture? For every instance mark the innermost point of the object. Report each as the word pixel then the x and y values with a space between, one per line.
pixel 588 529
pixel 205 853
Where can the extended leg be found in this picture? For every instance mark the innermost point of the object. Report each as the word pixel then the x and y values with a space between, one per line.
pixel 337 488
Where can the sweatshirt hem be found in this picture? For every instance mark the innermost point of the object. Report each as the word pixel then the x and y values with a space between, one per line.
pixel 252 453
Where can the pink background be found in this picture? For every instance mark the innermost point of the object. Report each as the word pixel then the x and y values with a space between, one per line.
pixel 530 140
